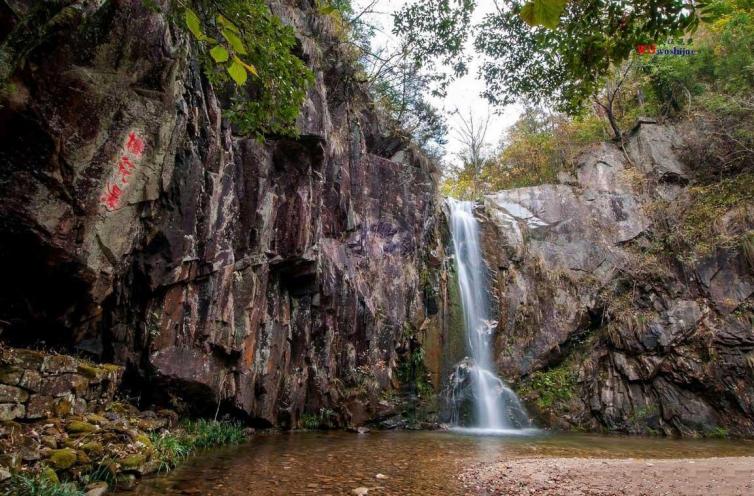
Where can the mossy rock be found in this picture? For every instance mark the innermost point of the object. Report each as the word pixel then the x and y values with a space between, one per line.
pixel 83 458
pixel 90 371
pixel 30 359
pixel 11 426
pixel 93 418
pixel 78 427
pixel 93 448
pixel 132 462
pixel 126 481
pixel 63 459
pixel 122 408
pixel 144 439
pixel 150 424
pixel 62 408
pixel 10 375
pixel 49 474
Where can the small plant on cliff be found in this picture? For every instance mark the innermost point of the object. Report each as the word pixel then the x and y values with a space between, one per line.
pixel 413 372
pixel 248 51
pixel 550 387
pixel 717 433
pixel 321 420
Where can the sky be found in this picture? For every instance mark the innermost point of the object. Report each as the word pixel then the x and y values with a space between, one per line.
pixel 464 93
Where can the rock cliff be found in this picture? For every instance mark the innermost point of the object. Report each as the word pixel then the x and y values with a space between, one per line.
pixel 266 279
pixel 606 324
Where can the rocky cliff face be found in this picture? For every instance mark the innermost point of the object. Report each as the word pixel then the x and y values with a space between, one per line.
pixel 271 279
pixel 602 324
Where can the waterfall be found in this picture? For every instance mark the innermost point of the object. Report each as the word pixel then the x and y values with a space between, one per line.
pixel 496 406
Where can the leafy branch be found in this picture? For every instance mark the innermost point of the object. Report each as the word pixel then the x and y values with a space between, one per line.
pixel 223 53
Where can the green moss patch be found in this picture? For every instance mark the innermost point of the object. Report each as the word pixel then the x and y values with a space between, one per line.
pixel 550 387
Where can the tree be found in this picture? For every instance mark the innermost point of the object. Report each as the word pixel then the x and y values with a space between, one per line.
pixel 472 134
pixel 607 98
pixel 562 67
pixel 398 84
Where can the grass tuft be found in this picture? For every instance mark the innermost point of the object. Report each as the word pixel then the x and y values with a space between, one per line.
pixel 210 433
pixel 39 485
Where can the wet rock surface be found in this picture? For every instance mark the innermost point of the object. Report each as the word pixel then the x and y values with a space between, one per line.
pixel 599 328
pixel 267 279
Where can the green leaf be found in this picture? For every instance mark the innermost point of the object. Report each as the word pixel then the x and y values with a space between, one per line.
pixel 225 23
pixel 249 67
pixel 234 41
pixel 219 53
pixel 237 72
pixel 194 24
pixel 543 12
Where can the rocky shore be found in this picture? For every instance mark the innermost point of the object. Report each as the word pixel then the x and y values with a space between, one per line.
pixel 612 477
pixel 62 423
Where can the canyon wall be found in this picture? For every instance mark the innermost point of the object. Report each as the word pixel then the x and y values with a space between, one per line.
pixel 267 279
pixel 604 323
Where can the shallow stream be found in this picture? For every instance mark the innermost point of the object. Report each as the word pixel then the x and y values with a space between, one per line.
pixel 410 463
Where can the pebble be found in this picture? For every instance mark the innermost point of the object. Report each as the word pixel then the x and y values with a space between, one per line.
pixel 360 491
pixel 380 476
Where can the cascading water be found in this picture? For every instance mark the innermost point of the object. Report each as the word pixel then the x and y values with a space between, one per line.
pixel 496 406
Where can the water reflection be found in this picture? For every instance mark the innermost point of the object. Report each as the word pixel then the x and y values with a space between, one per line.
pixel 409 463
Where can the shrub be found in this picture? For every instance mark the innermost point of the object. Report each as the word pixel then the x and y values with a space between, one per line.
pixel 708 203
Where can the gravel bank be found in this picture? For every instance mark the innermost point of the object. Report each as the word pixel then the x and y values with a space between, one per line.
pixel 598 476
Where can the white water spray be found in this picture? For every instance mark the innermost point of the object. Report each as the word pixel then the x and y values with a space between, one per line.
pixel 496 406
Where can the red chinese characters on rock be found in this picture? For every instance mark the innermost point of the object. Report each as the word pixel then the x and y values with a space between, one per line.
pixel 111 198
pixel 135 145
pixel 126 165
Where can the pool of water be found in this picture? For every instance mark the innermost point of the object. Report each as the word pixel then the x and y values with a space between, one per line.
pixel 395 463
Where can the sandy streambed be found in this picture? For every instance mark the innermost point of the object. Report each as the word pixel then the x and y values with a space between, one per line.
pixel 600 476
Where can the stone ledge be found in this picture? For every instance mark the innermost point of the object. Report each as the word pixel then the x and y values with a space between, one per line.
pixel 37 385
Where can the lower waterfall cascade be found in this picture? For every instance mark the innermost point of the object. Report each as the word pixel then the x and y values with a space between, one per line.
pixel 496 408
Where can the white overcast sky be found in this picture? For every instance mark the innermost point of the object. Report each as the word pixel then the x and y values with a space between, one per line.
pixel 463 94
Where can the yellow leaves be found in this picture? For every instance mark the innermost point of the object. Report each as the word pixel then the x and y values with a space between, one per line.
pixel 237 72
pixel 248 67
pixel 543 12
